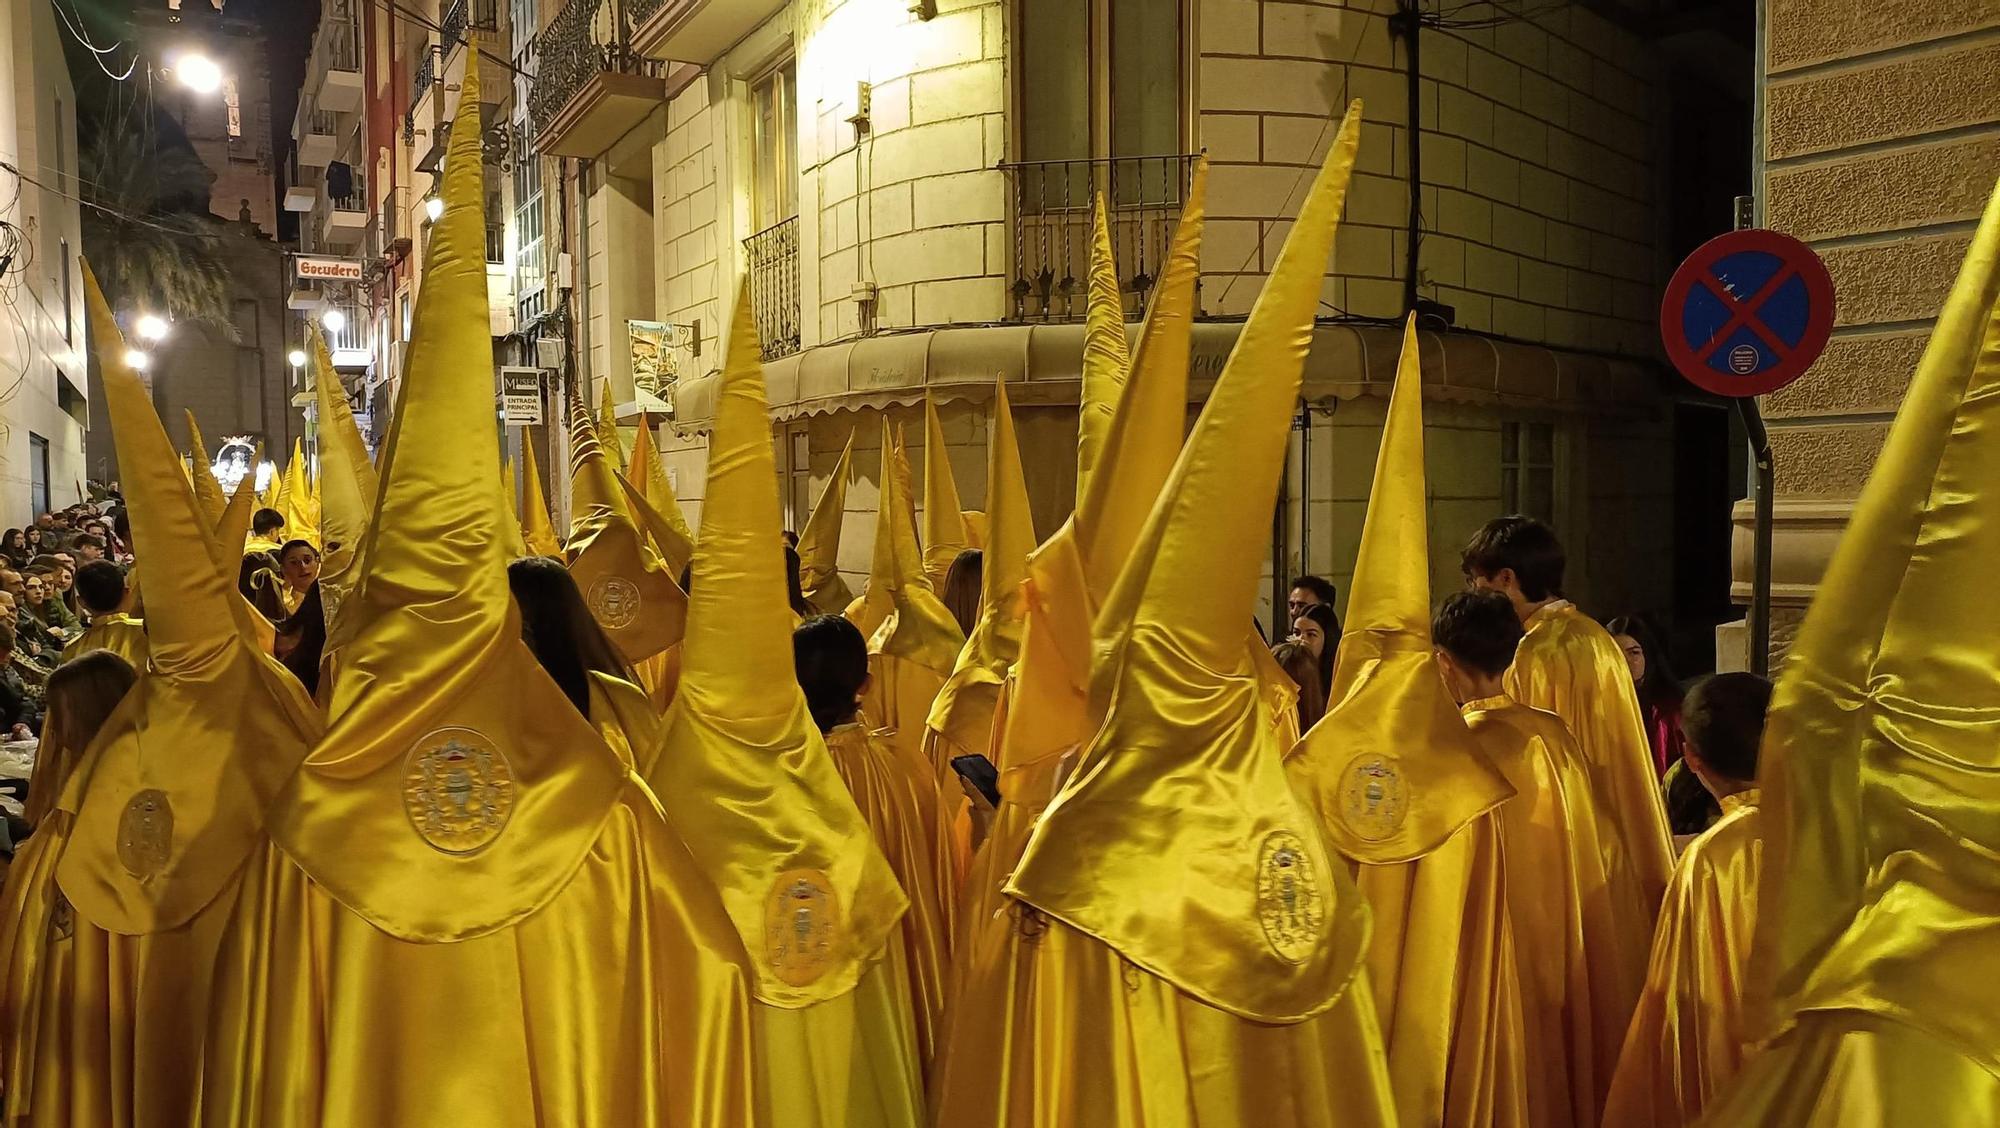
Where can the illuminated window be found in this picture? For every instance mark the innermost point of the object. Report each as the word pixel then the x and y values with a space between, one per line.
pixel 774 121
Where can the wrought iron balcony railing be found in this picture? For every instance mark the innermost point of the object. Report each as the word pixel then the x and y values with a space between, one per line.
pixel 343 46
pixel 1052 209
pixel 462 14
pixel 585 39
pixel 774 286
pixel 426 76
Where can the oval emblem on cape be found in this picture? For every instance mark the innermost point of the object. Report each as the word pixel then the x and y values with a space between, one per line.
pixel 458 790
pixel 1372 800
pixel 801 926
pixel 1290 903
pixel 614 600
pixel 146 833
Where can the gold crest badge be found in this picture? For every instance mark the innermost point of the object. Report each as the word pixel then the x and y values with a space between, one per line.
pixel 614 600
pixel 1372 799
pixel 458 790
pixel 1290 903
pixel 146 833
pixel 801 926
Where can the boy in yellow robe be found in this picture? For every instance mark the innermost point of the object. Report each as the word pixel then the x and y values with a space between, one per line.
pixel 1688 1038
pixel 1571 667
pixel 1580 929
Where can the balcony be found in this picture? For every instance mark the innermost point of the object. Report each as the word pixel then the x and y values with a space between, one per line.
pixel 593 87
pixel 318 138
pixel 696 31
pixel 1052 210
pixel 345 219
pixel 337 60
pixel 470 21
pixel 773 255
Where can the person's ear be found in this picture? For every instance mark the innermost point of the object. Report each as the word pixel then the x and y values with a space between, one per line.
pixel 861 690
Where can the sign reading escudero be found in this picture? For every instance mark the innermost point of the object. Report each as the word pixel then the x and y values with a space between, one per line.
pixel 311 269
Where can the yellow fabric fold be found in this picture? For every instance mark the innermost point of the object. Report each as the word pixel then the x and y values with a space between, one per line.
pixel 1106 357
pixel 207 490
pixel 347 478
pixel 607 427
pixel 819 541
pixel 1175 672
pixel 117 632
pixel 1405 793
pixel 1581 927
pixel 536 529
pixel 742 769
pixel 1688 1038
pixel 301 514
pixel 674 546
pixel 944 518
pixel 1878 770
pixel 628 587
pixel 1569 665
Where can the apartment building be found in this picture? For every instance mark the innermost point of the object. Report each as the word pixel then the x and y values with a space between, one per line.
pixel 382 88
pixel 44 354
pixel 906 186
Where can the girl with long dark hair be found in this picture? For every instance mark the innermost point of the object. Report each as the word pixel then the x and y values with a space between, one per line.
pixel 1659 690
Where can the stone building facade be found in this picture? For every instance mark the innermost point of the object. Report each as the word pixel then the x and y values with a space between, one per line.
pixel 905 187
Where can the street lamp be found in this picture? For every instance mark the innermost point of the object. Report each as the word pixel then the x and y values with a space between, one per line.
pixel 152 327
pixel 434 208
pixel 136 360
pixel 334 320
pixel 198 73
pixel 297 357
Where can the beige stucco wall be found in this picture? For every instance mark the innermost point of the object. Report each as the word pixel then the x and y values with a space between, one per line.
pixel 1881 141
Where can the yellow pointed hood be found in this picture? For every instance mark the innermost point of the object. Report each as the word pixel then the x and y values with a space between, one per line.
pixel 649 473
pixel 607 427
pixel 629 588
pixel 944 516
pixel 434 680
pixel 301 523
pixel 207 490
pixel 1878 765
pixel 347 476
pixel 742 770
pixel 904 617
pixel 1106 358
pixel 1072 573
pixel 203 742
pixel 674 549
pixel 1392 768
pixel 1184 777
pixel 537 530
pixel 819 541
pixel 963 711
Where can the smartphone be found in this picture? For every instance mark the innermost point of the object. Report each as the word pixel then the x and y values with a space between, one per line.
pixel 979 771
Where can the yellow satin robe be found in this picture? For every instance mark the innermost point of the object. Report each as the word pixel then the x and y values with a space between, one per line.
pixel 1689 1037
pixel 1073 1035
pixel 900 805
pixel 117 632
pixel 1442 963
pixel 1580 931
pixel 1570 666
pixel 1848 1069
pixel 607 1006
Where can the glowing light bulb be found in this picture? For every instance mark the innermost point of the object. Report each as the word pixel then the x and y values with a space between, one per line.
pixel 334 320
pixel 434 208
pixel 198 73
pixel 136 360
pixel 152 327
pixel 297 357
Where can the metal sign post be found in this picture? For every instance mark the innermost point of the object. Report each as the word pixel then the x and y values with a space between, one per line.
pixel 1746 314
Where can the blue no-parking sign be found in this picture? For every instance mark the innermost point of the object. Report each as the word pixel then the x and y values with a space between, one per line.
pixel 1747 313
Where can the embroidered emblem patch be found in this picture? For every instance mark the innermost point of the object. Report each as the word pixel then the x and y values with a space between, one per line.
pixel 1290 903
pixel 146 833
pixel 458 790
pixel 801 926
pixel 1371 797
pixel 614 600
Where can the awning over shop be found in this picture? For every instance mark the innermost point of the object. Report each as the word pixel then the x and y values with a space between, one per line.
pixel 1041 364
